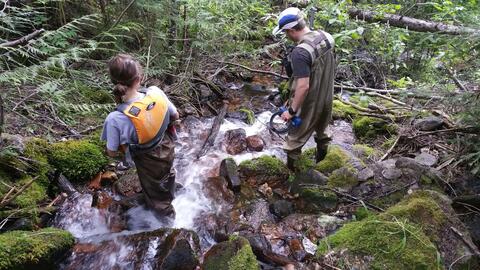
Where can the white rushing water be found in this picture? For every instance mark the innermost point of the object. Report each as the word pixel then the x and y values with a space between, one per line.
pixel 90 225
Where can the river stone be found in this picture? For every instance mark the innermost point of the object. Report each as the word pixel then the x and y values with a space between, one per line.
pixel 365 174
pixel 296 249
pixel 179 251
pixel 255 143
pixel 314 200
pixel 429 123
pixel 229 170
pixel 281 208
pixel 216 188
pixel 392 173
pixel 101 200
pixel 309 177
pixel 426 159
pixel 128 184
pixel 231 255
pixel 236 141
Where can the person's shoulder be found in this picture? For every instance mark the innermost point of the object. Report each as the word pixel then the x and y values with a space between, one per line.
pixel 300 52
pixel 155 89
pixel 114 116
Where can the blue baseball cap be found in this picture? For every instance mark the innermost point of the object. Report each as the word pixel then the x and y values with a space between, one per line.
pixel 288 19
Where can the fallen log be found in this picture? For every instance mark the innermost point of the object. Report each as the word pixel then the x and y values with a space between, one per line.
pixel 213 131
pixel 22 40
pixel 411 23
pixel 65 185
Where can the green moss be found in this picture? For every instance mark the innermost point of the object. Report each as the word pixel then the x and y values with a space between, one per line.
pixel 250 115
pixel 362 213
pixel 318 199
pixel 235 254
pixel 306 160
pixel 344 177
pixel 391 199
pixel 268 165
pixel 387 144
pixel 364 151
pixel 38 151
pixel 336 158
pixel 33 250
pixel 341 110
pixel 360 100
pixel 32 195
pixel 95 138
pixel 392 244
pixel 420 208
pixel 284 90
pixel 369 127
pixel 77 160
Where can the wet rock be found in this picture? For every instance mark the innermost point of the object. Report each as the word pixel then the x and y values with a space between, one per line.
pixel 344 178
pixel 255 143
pixel 296 249
pixel 256 89
pixel 216 188
pixel 128 184
pixel 231 255
pixel 392 173
pixel 263 250
pixel 265 169
pixel 179 251
pixel 429 123
pixel 109 177
pixel 101 200
pixel 34 250
pixel 365 174
pixel 235 141
pixel 204 91
pixel 426 159
pixel 281 208
pixel 187 109
pixel 257 213
pixel 159 249
pixel 229 170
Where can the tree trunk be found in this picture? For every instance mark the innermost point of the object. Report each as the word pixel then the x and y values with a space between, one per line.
pixel 411 23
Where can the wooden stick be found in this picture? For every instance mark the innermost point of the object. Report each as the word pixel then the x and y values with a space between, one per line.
pixel 121 15
pixel 213 131
pixel 65 185
pixel 22 40
pixel 391 148
pixel 398 102
pixel 28 184
pixel 468 130
pixel 470 245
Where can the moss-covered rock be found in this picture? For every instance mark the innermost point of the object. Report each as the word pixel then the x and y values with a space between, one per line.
pixel 391 244
pixel 32 195
pixel 341 110
pixel 250 115
pixel 306 160
pixel 364 151
pixel 369 127
pixel 265 169
pixel 413 234
pixel 33 250
pixel 336 158
pixel 344 178
pixel 318 200
pixel 235 254
pixel 77 160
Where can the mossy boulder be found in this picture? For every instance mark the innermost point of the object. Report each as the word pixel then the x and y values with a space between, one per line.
pixel 77 160
pixel 341 110
pixel 382 244
pixel 235 254
pixel 336 158
pixel 363 151
pixel 306 160
pixel 369 127
pixel 413 234
pixel 265 169
pixel 344 178
pixel 33 250
pixel 316 199
pixel 32 195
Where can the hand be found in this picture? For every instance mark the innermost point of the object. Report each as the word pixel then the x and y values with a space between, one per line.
pixel 286 116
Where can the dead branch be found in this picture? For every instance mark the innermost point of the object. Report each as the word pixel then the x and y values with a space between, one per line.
pixel 6 201
pixel 23 40
pixel 65 185
pixel 213 131
pixel 121 15
pixel 456 80
pixel 411 23
pixel 353 198
pixel 391 148
pixel 467 130
pixel 254 70
pixel 467 242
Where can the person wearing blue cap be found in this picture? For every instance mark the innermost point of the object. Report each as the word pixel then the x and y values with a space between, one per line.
pixel 311 68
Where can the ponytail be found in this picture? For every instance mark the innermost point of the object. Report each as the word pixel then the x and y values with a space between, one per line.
pixel 124 73
pixel 119 90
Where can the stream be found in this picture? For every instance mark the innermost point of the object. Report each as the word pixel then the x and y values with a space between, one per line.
pixel 90 226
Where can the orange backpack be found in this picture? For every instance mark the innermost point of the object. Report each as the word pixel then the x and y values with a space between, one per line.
pixel 150 117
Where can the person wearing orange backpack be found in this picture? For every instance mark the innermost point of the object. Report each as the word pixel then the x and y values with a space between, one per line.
pixel 141 130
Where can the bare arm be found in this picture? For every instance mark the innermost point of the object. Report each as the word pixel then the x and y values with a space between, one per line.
pixel 301 91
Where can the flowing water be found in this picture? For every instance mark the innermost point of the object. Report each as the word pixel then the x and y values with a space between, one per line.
pixel 91 225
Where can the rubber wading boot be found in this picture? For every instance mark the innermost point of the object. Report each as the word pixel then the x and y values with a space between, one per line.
pixel 291 163
pixel 321 152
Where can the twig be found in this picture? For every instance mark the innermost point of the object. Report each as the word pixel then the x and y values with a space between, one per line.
pixel 23 39
pixel 28 184
pixel 254 70
pixel 348 196
pixel 121 15
pixel 213 131
pixel 455 79
pixel 375 94
pixel 24 99
pixel 391 148
pixel 470 245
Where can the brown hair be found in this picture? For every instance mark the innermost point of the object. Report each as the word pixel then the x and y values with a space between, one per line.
pixel 124 72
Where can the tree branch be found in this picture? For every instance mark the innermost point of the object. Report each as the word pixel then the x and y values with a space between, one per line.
pixel 22 40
